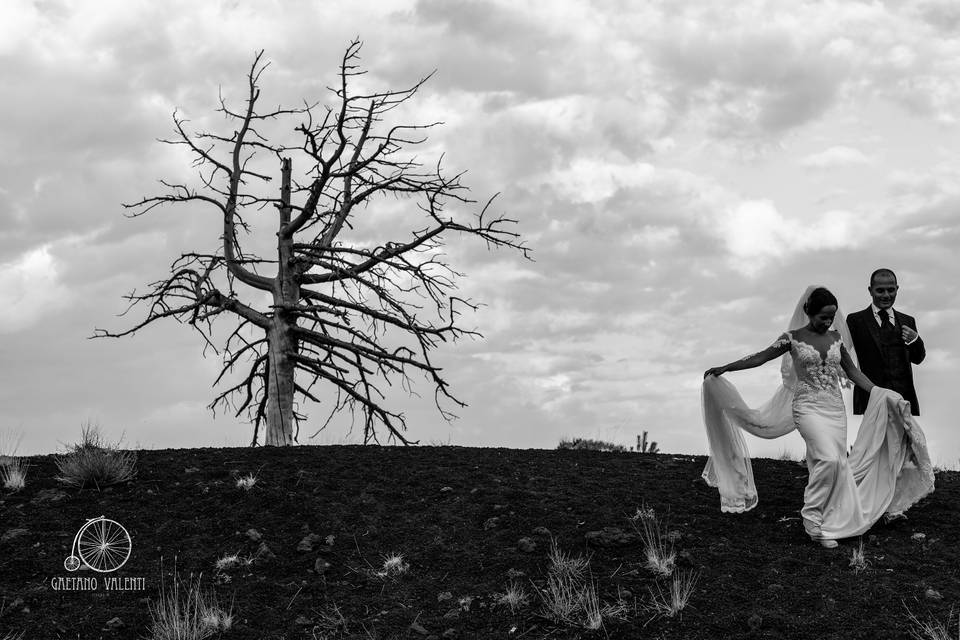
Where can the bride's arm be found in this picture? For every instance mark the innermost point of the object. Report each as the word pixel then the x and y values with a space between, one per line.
pixel 778 348
pixel 846 363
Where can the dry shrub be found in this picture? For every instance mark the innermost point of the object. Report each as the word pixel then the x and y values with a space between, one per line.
pixel 92 461
pixel 588 444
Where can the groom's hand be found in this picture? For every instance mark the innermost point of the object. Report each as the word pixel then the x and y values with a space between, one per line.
pixel 909 335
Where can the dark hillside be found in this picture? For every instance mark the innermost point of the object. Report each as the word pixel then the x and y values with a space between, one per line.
pixel 456 516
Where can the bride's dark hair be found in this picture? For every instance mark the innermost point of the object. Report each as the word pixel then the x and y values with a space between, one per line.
pixel 819 298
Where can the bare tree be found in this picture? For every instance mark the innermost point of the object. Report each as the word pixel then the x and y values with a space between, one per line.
pixel 347 318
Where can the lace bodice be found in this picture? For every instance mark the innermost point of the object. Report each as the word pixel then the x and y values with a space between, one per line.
pixel 817 376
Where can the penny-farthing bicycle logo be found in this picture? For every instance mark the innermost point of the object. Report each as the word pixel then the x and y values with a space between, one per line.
pixel 101 544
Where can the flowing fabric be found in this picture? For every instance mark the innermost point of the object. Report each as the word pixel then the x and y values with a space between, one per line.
pixel 887 471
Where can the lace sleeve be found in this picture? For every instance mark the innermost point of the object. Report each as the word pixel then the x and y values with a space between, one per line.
pixel 782 344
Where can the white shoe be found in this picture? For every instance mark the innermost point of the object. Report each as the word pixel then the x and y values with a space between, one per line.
pixel 828 544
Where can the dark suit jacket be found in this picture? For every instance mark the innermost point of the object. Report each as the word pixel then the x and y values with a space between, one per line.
pixel 866 340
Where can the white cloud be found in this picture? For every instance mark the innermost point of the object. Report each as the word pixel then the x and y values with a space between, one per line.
pixel 30 290
pixel 758 234
pixel 835 157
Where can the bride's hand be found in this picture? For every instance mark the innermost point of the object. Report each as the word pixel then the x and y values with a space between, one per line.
pixel 715 371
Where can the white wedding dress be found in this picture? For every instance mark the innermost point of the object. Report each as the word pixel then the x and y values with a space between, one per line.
pixel 887 471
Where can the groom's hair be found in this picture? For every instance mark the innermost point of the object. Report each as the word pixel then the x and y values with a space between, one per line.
pixel 882 272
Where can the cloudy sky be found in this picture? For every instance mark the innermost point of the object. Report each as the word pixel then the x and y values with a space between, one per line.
pixel 681 170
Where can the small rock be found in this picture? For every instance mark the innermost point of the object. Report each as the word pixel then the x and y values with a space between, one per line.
pixel 443 596
pixel 919 537
pixel 329 540
pixel 190 469
pixel 306 544
pixel 526 545
pixel 114 623
pixel 541 531
pixel 609 537
pixel 499 507
pixel 515 573
pixel 775 587
pixel 321 565
pixel 264 551
pixel 474 490
pixel 417 628
pixel 465 603
pixel 48 495
pixel 446 489
pixel 10 534
pixel 490 523
pixel 254 535
pixel 932 594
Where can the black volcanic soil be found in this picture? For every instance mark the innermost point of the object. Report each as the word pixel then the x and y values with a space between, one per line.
pixel 760 577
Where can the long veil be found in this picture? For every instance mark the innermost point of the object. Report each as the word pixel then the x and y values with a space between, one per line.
pixel 726 415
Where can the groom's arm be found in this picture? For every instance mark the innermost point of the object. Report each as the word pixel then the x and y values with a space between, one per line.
pixel 915 349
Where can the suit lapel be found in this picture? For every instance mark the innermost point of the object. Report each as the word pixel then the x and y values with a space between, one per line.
pixel 872 327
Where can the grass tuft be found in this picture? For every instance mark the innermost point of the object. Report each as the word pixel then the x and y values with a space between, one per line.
pixel 858 559
pixel 393 566
pixel 569 596
pixel 9 445
pixel 14 474
pixel 188 614
pixel 231 561
pixel 514 597
pixel 677 596
pixel 330 621
pixel 92 461
pixel 246 482
pixel 933 629
pixel 659 555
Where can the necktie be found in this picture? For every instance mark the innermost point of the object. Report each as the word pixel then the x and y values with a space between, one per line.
pixel 885 324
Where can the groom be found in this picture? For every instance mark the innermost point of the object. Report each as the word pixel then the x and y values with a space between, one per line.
pixel 886 342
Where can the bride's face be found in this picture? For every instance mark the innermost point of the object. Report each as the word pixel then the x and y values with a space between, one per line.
pixel 821 320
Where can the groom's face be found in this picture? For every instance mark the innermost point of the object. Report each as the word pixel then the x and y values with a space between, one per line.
pixel 883 290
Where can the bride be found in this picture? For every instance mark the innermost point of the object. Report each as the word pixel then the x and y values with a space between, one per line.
pixel 888 469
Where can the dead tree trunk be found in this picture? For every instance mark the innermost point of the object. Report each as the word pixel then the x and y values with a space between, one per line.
pixel 281 343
